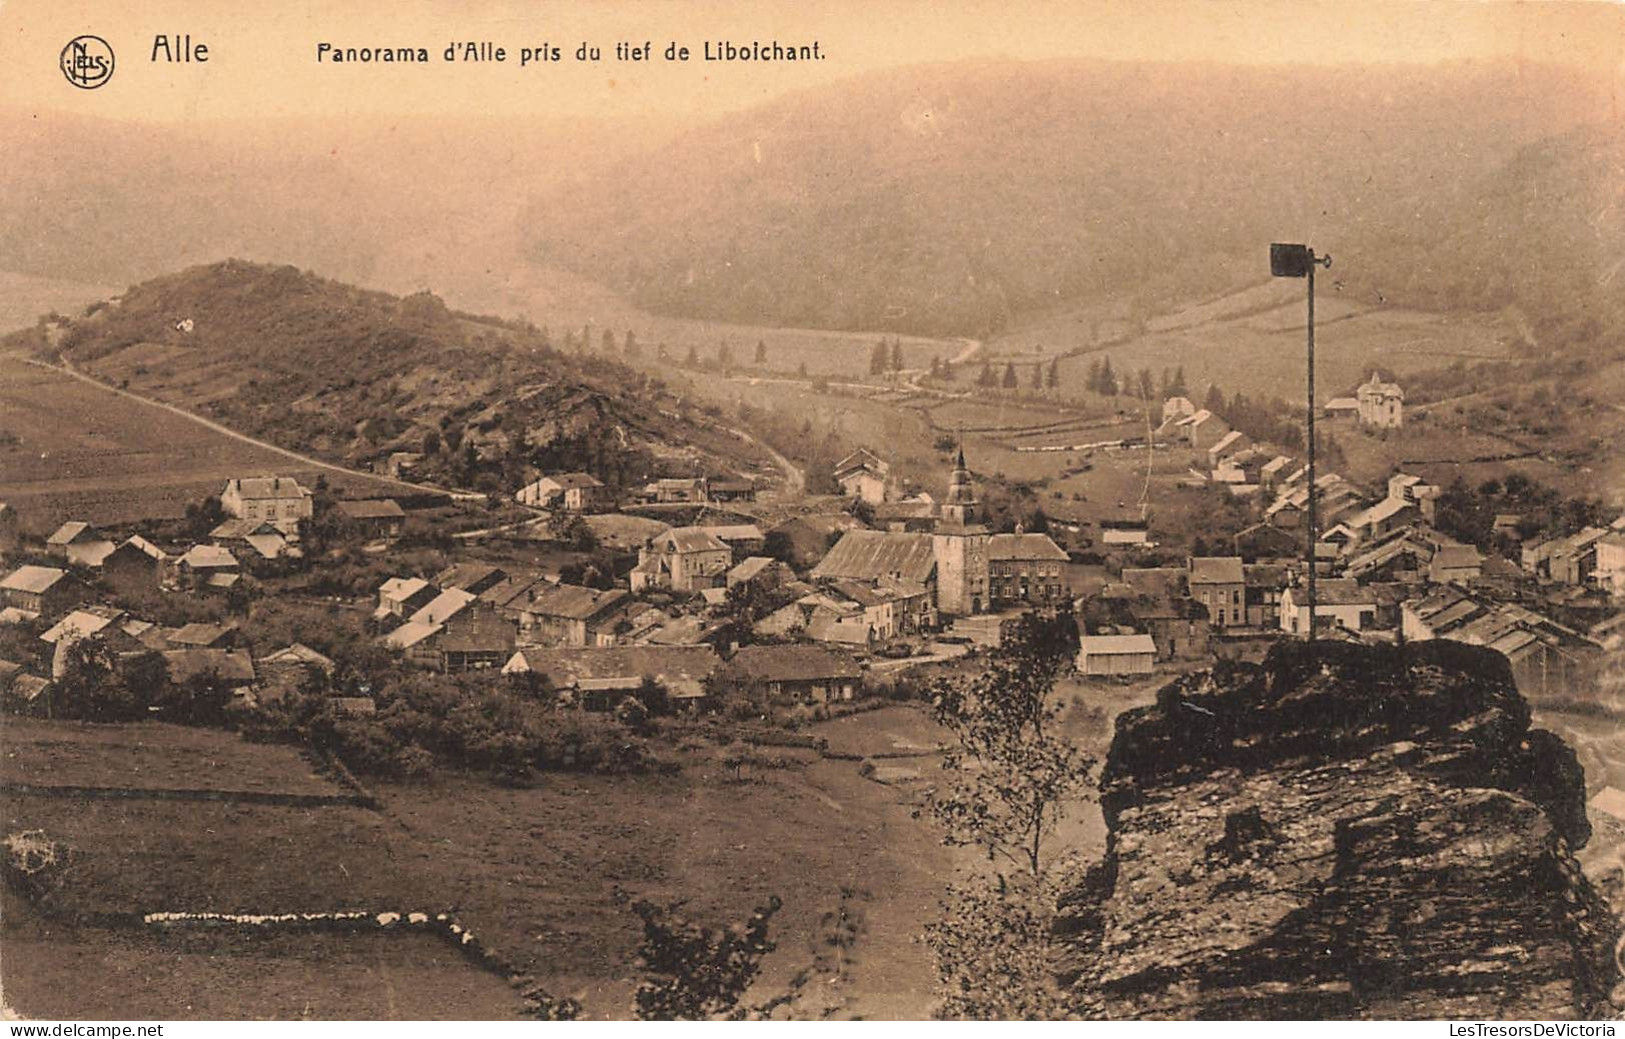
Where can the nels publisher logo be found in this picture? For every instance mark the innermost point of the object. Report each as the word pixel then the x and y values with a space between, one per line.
pixel 87 61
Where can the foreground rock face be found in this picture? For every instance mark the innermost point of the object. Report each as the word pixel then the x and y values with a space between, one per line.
pixel 1346 832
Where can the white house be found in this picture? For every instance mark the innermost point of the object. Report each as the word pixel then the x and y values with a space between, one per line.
pixel 1339 602
pixel 1381 404
pixel 275 498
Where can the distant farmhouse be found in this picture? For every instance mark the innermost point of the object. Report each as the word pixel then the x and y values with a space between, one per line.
pixel 275 498
pixel 1382 404
pixel 573 492
pixel 1375 405
pixel 864 476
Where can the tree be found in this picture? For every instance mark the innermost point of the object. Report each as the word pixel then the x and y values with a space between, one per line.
pixel 431 442
pixel 1179 388
pixel 1214 401
pixel 203 516
pixel 1053 379
pixel 1108 378
pixel 1147 384
pixel 695 973
pixel 88 685
pixel 1092 381
pixel 761 352
pixel 630 346
pixel 609 341
pixel 1038 376
pixel 1010 382
pixel 1013 772
pixel 896 355
pixel 877 359
pixel 801 369
pixel 725 355
pixel 693 358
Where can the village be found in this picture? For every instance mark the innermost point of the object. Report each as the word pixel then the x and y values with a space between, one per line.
pixel 689 595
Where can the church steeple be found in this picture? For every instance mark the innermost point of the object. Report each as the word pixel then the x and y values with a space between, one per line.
pixel 960 507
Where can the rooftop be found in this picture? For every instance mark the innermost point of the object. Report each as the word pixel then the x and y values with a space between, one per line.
pixel 1217 570
pixel 792 664
pixel 32 578
pixel 268 487
pixel 1024 546
pixel 873 554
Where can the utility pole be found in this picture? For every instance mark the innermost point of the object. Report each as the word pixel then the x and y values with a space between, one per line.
pixel 1300 261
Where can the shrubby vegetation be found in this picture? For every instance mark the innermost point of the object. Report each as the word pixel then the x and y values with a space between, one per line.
pixel 1009 783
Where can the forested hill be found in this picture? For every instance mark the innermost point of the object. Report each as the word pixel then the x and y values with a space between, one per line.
pixel 955 198
pixel 353 374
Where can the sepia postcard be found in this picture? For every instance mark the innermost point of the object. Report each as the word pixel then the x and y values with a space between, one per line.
pixel 767 511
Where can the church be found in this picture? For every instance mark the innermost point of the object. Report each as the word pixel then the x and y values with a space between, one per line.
pixel 967 568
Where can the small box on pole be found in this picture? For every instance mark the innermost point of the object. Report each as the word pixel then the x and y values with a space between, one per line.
pixel 1289 261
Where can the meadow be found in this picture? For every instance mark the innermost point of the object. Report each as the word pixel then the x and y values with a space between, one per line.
pixel 70 450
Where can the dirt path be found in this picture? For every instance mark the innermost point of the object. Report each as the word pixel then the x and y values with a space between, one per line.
pixel 305 460
pixel 795 479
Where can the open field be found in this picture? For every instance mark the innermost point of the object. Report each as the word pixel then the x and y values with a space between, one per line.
pixel 537 873
pixel 150 755
pixel 81 452
pixel 541 874
pixel 218 975
pixel 1252 341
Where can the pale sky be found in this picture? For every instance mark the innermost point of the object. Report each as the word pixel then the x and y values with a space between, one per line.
pixel 262 56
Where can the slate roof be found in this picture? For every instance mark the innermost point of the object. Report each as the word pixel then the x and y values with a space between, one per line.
pixel 69 532
pixel 869 555
pixel 1341 591
pixel 263 487
pixel 1115 645
pixel 681 669
pixel 410 634
pixel 692 539
pixel 208 557
pixel 299 653
pixel 476 576
pixel 792 664
pixel 77 625
pixel 575 602
pixel 1024 546
pixel 1217 570
pixel 32 578
pixel 442 607
pixel 199 635
pixel 572 481
pixel 234 667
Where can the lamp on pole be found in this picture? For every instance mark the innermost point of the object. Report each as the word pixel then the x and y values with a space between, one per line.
pixel 1300 261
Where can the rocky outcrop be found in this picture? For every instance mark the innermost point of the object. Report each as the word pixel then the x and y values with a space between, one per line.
pixel 1342 832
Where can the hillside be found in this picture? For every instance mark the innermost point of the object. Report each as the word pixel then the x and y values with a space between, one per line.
pixel 955 199
pixel 353 375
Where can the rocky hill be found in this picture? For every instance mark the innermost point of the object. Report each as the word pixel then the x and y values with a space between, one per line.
pixel 1342 832
pixel 354 375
